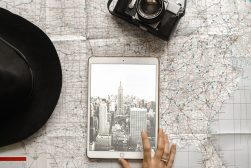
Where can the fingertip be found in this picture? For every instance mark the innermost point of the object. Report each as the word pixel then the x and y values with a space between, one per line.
pixel 121 161
pixel 166 139
pixel 124 163
pixel 174 147
pixel 161 133
pixel 144 134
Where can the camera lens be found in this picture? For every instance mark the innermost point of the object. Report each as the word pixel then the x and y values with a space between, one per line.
pixel 150 7
pixel 150 10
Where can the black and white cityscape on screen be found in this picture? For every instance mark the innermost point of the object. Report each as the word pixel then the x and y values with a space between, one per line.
pixel 116 122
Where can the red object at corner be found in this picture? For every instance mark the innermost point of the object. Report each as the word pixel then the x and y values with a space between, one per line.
pixel 13 159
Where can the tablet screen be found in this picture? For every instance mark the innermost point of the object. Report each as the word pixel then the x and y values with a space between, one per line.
pixel 122 104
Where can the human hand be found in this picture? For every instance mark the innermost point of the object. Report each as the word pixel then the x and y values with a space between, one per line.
pixel 163 158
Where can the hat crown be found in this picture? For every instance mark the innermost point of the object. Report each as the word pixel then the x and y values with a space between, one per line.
pixel 15 77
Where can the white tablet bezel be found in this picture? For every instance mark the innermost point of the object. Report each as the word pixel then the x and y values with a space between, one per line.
pixel 121 60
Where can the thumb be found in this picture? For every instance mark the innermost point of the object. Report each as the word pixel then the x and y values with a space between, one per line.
pixel 124 163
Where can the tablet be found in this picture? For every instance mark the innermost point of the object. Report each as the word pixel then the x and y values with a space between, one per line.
pixel 122 101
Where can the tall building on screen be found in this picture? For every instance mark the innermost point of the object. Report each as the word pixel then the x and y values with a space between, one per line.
pixel 120 106
pixel 138 117
pixel 103 124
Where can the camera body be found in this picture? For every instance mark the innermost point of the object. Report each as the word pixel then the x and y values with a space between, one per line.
pixel 159 17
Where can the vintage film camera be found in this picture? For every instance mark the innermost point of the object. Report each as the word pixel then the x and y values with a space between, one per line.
pixel 159 17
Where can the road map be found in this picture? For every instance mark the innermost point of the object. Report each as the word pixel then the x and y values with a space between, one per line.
pixel 205 80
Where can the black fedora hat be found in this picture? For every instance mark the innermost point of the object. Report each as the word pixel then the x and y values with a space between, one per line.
pixel 30 78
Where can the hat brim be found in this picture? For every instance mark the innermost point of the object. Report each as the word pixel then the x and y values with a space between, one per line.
pixel 45 64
